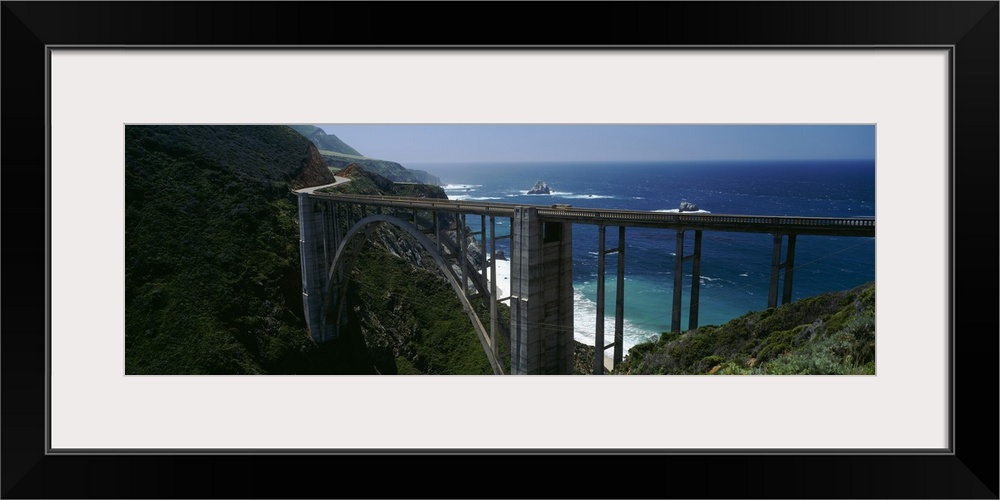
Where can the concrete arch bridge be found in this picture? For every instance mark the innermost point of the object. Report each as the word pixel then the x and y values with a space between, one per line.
pixel 334 227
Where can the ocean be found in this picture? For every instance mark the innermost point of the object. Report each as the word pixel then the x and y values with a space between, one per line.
pixel 735 267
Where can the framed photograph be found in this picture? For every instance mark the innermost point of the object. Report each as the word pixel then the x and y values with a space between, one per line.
pixel 921 77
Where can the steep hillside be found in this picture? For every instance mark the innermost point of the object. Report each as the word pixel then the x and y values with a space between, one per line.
pixel 407 314
pixel 830 334
pixel 324 141
pixel 212 276
pixel 339 156
pixel 388 169
pixel 212 272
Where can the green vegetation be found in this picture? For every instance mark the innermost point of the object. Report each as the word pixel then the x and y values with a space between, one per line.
pixel 212 271
pixel 213 283
pixel 829 334
pixel 339 155
pixel 415 316
pixel 388 169
pixel 366 182
pixel 326 142
pixel 327 152
pixel 411 320
pixel 212 277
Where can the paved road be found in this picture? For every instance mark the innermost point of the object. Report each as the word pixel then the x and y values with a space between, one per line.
pixel 780 224
pixel 340 180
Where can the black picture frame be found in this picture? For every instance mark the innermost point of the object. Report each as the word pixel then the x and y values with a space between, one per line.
pixel 970 28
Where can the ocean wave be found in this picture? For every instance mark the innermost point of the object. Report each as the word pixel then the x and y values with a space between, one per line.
pixel 583 196
pixel 708 280
pixel 455 187
pixel 524 192
pixel 466 197
pixel 677 210
pixel 560 194
pixel 585 324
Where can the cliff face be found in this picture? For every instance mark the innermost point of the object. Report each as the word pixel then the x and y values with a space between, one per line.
pixel 212 275
pixel 338 155
pixel 406 312
pixel 324 141
pixel 388 169
pixel 212 272
pixel 426 178
pixel 313 172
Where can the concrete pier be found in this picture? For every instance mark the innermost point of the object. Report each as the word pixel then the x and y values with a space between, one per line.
pixel 541 295
pixel 313 246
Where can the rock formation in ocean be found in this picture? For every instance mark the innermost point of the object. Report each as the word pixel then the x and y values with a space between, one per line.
pixel 540 187
pixel 687 206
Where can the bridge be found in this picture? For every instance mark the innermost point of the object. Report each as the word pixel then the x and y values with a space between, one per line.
pixel 334 227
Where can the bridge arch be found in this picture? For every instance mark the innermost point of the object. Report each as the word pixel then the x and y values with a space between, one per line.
pixel 346 255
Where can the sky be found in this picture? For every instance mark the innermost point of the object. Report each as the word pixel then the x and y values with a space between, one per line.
pixel 408 144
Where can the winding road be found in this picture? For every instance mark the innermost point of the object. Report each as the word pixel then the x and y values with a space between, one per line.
pixel 310 190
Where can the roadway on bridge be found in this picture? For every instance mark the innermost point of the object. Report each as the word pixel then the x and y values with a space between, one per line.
pixel 309 190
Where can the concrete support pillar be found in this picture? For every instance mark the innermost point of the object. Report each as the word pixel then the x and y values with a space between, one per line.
pixel 311 251
pixel 599 323
pixel 494 320
pixel 460 240
pixel 620 300
pixel 619 335
pixel 772 291
pixel 437 231
pixel 541 295
pixel 786 291
pixel 328 245
pixel 695 282
pixel 675 320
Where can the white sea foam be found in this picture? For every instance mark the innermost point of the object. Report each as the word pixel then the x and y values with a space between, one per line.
pixel 466 197
pixel 583 196
pixel 561 194
pixel 585 324
pixel 584 315
pixel 503 277
pixel 677 210
pixel 708 280
pixel 462 187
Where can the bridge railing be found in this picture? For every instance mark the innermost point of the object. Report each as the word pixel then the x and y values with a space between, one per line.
pixel 631 215
pixel 848 226
pixel 434 204
pixel 438 217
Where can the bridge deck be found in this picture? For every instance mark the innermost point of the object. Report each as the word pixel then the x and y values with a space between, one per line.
pixel 829 226
pixel 541 248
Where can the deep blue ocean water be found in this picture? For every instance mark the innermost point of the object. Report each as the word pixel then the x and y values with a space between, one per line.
pixel 735 267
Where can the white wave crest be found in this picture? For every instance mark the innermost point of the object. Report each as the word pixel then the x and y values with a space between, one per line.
pixel 583 196
pixel 466 197
pixel 677 210
pixel 585 324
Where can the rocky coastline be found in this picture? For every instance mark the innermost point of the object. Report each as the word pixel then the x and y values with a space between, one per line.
pixel 540 187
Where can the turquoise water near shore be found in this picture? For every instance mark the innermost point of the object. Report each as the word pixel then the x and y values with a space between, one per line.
pixel 735 266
